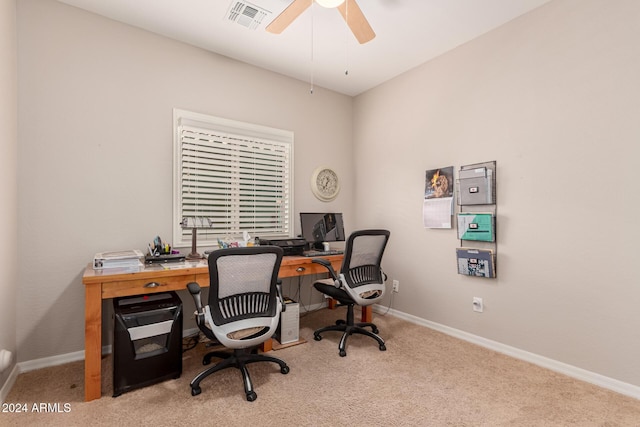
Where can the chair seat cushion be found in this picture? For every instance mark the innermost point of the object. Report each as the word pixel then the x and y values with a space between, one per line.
pixel 240 334
pixel 326 287
pixel 370 294
pixel 245 333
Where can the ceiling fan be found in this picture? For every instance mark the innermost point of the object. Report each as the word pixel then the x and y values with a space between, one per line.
pixel 349 10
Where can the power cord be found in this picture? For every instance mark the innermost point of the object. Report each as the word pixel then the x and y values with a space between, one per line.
pixel 190 342
pixel 390 304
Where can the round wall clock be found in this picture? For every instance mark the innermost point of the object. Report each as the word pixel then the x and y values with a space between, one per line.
pixel 325 184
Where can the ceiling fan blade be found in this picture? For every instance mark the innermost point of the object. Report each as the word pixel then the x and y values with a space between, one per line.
pixel 355 19
pixel 288 15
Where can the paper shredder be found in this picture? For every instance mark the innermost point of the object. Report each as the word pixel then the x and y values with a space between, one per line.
pixel 147 342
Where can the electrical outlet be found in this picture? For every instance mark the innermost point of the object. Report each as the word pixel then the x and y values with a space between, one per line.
pixel 477 304
pixel 396 286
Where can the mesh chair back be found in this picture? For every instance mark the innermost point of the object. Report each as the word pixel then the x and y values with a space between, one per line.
pixel 243 283
pixel 363 256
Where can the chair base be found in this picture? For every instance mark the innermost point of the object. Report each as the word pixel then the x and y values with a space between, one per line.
pixel 238 359
pixel 349 327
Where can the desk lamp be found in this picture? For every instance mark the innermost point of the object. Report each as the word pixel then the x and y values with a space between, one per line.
pixel 195 223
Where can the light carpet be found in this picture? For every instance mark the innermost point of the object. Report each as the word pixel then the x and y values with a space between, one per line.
pixel 425 378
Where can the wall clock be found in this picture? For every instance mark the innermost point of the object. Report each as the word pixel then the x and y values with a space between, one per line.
pixel 325 184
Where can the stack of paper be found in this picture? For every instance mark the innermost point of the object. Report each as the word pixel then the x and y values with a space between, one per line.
pixel 476 226
pixel 129 259
pixel 476 262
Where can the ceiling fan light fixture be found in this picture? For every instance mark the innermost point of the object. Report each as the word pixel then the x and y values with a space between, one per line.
pixel 329 3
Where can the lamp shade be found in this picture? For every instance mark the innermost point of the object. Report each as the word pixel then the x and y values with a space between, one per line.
pixel 329 3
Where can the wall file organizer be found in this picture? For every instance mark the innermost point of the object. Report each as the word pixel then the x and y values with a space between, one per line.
pixel 476 262
pixel 476 226
pixel 476 186
pixel 477 220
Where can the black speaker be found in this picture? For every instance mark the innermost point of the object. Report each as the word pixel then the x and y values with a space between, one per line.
pixel 147 340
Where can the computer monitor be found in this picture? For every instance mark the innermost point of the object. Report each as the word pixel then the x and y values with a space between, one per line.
pixel 322 227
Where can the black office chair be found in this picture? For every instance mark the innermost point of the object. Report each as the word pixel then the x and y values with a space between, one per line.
pixel 361 282
pixel 244 308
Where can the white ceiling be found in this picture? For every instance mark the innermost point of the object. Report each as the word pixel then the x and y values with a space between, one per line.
pixel 318 47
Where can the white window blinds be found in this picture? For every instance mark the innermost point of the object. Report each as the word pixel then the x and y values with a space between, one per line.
pixel 235 176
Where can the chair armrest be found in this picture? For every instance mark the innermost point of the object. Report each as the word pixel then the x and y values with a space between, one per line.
pixel 279 288
pixel 194 290
pixel 327 265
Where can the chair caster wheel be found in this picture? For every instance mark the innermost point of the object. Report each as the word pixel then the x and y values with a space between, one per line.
pixel 206 362
pixel 251 396
pixel 195 391
pixel 375 330
pixel 284 369
pixel 343 353
pixel 340 322
pixel 317 337
pixel 383 347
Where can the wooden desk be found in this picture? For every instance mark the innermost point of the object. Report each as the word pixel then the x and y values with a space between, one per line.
pixel 112 283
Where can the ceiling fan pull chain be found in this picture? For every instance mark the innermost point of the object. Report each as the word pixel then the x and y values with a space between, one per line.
pixel 346 43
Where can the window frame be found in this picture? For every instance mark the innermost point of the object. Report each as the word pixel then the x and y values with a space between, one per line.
pixel 254 135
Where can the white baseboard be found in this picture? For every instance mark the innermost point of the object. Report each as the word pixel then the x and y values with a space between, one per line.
pixel 45 362
pixel 553 365
pixel 8 384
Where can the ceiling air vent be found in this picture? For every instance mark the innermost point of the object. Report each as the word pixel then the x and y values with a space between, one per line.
pixel 247 14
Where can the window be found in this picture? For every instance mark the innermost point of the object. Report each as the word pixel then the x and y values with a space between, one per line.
pixel 231 177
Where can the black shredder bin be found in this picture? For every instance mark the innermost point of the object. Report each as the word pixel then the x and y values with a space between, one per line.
pixel 147 340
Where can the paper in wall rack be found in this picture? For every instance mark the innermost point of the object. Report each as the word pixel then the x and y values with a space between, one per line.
pixel 476 226
pixel 476 186
pixel 476 262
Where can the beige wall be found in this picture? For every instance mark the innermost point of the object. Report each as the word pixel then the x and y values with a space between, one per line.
pixel 554 98
pixel 95 111
pixel 8 178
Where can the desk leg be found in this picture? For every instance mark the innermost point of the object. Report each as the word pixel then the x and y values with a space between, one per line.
pixel 367 314
pixel 266 346
pixel 92 342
